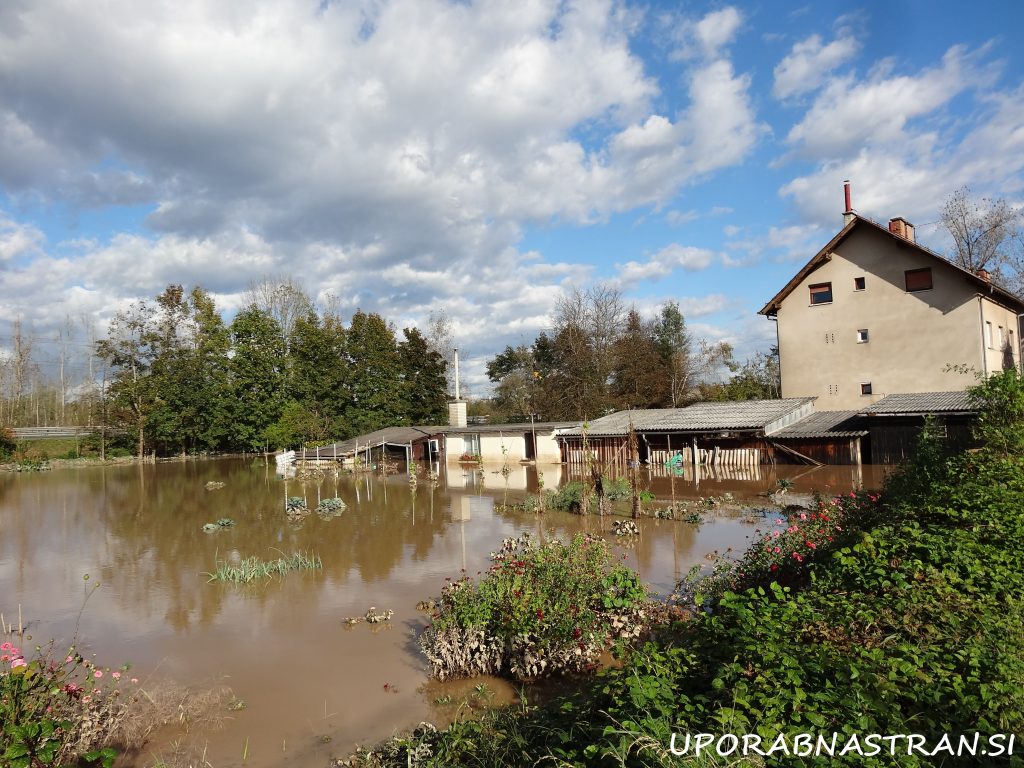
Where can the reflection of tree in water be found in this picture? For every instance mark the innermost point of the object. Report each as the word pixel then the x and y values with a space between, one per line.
pixel 155 516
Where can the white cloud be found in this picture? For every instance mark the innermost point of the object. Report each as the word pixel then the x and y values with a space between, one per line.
pixel 848 113
pixel 663 263
pixel 18 240
pixel 809 62
pixel 705 37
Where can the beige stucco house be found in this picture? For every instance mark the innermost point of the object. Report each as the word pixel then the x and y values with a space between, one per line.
pixel 874 313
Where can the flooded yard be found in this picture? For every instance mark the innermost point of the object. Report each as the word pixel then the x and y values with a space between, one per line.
pixel 118 557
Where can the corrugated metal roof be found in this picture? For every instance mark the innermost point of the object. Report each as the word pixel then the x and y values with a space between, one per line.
pixel 923 402
pixel 389 435
pixel 822 424
pixel 524 426
pixel 699 417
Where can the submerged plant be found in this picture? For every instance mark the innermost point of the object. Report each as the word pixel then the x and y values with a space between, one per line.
pixel 541 609
pixel 329 508
pixel 252 568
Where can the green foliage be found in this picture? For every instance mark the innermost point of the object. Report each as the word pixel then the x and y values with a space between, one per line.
pixel 540 609
pixel 59 712
pixel 258 377
pixel 1001 412
pixel 8 445
pixel 423 376
pixel 253 569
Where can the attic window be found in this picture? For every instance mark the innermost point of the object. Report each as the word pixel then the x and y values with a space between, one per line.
pixel 858 283
pixel 862 336
pixel 821 293
pixel 918 279
pixel 865 387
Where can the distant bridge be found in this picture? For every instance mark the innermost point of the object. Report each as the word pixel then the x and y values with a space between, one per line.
pixel 47 433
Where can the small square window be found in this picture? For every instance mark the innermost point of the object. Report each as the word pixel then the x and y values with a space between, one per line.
pixel 862 336
pixel 865 388
pixel 858 283
pixel 821 293
pixel 918 279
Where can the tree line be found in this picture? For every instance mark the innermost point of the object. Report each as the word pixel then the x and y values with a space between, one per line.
pixel 181 380
pixel 600 357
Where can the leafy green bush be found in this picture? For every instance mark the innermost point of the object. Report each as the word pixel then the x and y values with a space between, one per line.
pixel 568 498
pixel 58 712
pixel 540 609
pixel 8 445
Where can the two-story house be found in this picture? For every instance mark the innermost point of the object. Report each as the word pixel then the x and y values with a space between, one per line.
pixel 874 313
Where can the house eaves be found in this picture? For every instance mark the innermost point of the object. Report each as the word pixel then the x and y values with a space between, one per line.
pixel 983 287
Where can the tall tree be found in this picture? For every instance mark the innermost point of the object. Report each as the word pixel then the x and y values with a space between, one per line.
pixel 284 300
pixel 129 350
pixel 423 374
pixel 320 379
pixel 986 235
pixel 257 376
pixel 675 354
pixel 637 379
pixel 441 340
pixel 376 389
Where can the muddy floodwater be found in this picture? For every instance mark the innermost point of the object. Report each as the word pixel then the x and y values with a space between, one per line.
pixel 313 686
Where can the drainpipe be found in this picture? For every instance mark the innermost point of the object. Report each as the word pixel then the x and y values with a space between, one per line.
pixel 778 346
pixel 981 318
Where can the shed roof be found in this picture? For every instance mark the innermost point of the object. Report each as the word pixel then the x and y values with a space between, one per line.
pixel 913 403
pixel 825 254
pixel 751 415
pixel 386 436
pixel 822 424
pixel 523 426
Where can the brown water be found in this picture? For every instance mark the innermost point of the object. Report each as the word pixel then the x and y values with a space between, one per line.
pixel 313 686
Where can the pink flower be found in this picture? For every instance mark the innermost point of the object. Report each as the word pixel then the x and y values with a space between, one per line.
pixel 798 557
pixel 98 674
pixel 116 675
pixel 803 515
pixel 6 647
pixel 811 545
pixel 69 660
pixel 777 534
pixel 777 549
pixel 19 662
pixel 135 680
pixel 86 699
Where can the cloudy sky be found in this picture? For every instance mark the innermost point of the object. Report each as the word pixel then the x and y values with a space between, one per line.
pixel 482 157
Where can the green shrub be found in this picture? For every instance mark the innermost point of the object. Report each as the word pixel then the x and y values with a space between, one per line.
pixel 540 610
pixel 8 445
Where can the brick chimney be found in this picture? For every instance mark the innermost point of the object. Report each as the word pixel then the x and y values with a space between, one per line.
pixel 903 228
pixel 983 274
pixel 848 214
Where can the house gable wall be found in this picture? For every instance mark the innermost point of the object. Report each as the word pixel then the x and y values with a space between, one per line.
pixel 912 336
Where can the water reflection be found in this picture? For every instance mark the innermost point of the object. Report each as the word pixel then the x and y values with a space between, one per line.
pixel 137 531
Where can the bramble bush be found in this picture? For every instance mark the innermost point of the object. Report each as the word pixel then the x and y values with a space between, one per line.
pixel 541 609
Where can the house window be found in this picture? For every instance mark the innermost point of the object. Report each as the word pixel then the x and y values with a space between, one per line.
pixel 918 279
pixel 858 283
pixel 988 335
pixel 821 293
pixel 471 444
pixel 862 336
pixel 865 387
pixel 1002 337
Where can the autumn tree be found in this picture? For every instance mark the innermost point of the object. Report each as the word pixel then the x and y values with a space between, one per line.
pixel 986 236
pixel 129 351
pixel 638 378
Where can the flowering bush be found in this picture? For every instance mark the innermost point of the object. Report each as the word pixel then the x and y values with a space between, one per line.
pixel 785 551
pixel 55 712
pixel 540 609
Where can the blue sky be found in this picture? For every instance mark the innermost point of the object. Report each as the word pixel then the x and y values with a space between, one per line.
pixel 404 156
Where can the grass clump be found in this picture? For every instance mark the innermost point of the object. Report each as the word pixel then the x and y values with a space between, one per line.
pixel 541 609
pixel 254 569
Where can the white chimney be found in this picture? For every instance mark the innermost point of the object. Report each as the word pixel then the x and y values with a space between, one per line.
pixel 457 408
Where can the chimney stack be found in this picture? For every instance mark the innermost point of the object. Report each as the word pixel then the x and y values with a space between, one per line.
pixel 457 408
pixel 983 274
pixel 903 228
pixel 848 214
